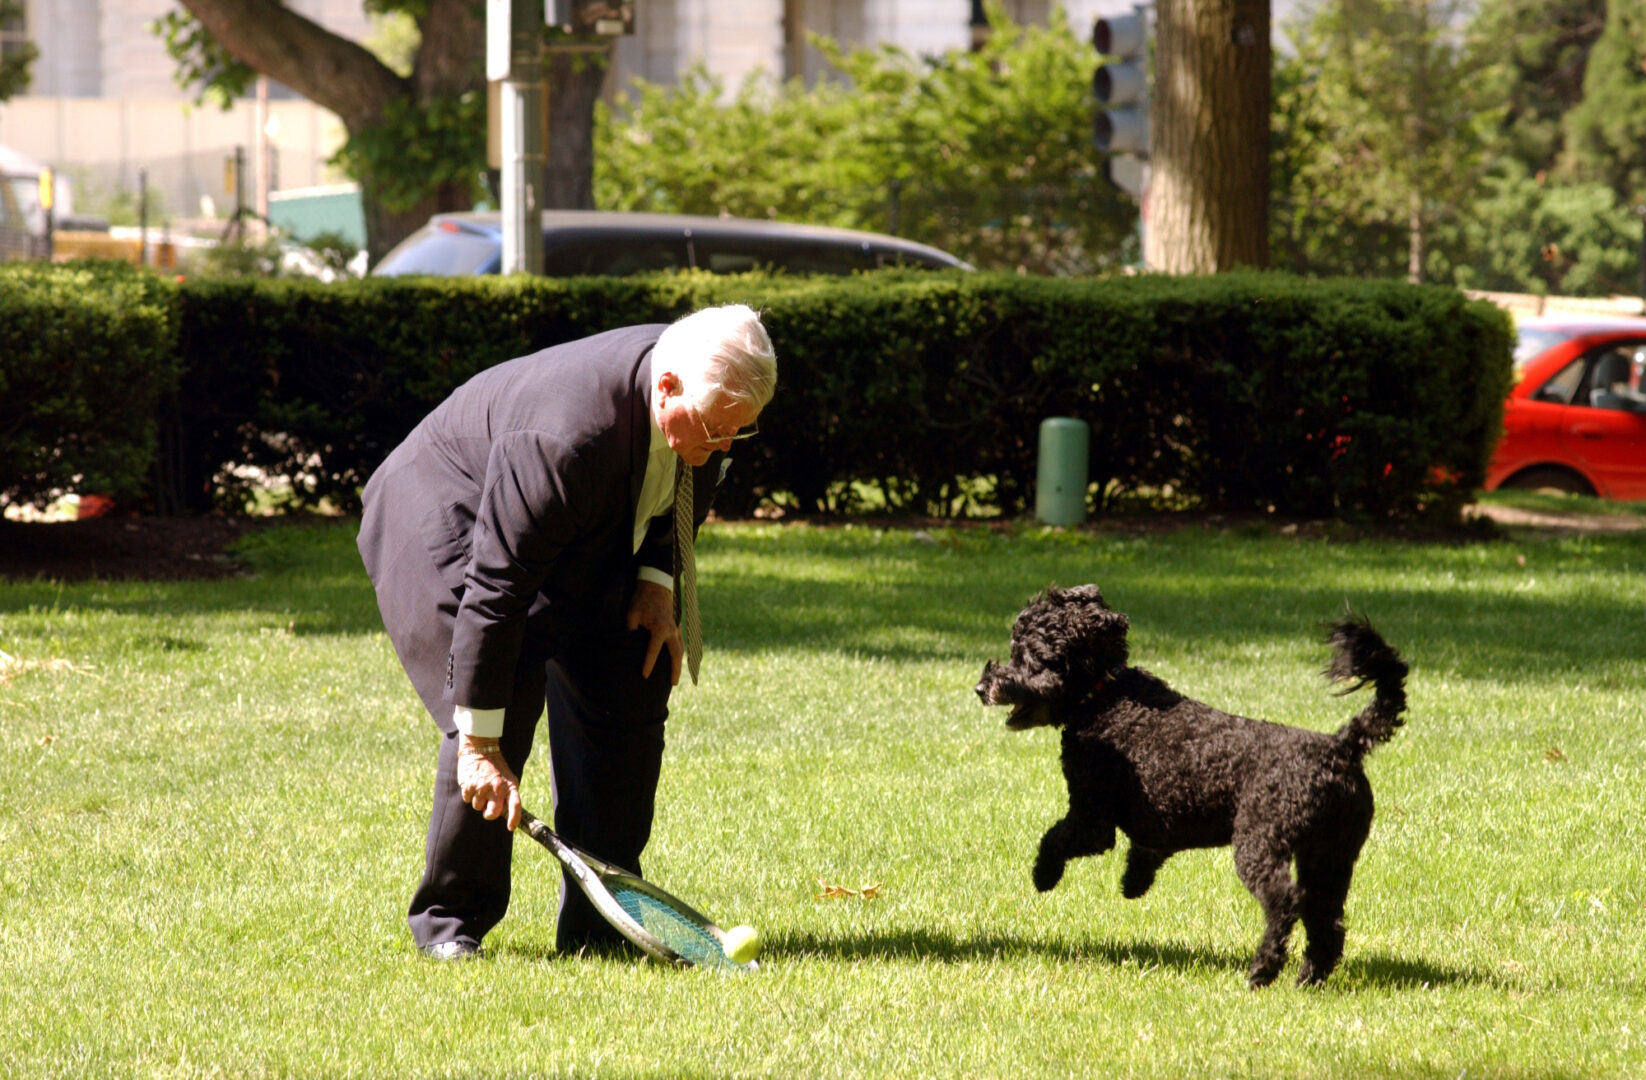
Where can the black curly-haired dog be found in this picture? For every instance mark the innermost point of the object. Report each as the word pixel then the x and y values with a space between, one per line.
pixel 1173 773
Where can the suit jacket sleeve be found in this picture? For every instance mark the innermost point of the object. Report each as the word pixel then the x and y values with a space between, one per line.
pixel 528 513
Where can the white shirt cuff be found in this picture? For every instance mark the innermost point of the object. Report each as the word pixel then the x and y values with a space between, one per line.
pixel 481 723
pixel 657 577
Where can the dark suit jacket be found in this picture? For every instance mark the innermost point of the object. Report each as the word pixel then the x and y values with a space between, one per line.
pixel 523 487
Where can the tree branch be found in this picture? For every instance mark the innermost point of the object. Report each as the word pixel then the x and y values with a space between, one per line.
pixel 328 69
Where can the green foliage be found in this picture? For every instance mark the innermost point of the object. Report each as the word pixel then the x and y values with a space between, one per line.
pixel 1246 392
pixel 1532 55
pixel 1530 234
pixel 87 353
pixel 333 251
pixel 241 256
pixel 418 148
pixel 984 154
pixel 1528 188
pixel 1379 128
pixel 1606 133
pixel 18 56
pixel 202 64
pixel 190 900
pixel 923 390
pixel 395 39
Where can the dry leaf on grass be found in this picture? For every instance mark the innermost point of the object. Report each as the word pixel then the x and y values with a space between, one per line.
pixel 841 892
pixel 11 666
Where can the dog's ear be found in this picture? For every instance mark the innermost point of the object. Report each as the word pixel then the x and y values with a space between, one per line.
pixel 1100 631
pixel 1080 595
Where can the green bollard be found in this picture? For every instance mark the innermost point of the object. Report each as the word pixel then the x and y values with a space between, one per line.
pixel 1060 482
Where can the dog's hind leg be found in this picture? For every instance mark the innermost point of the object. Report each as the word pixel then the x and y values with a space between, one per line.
pixel 1141 864
pixel 1264 865
pixel 1323 884
pixel 1070 838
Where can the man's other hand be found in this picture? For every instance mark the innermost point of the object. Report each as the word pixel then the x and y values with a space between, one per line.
pixel 487 782
pixel 653 610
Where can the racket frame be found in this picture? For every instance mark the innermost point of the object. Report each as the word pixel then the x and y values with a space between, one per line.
pixel 591 873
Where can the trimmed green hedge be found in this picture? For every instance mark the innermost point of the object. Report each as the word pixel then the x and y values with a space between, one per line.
pixel 87 353
pixel 1240 392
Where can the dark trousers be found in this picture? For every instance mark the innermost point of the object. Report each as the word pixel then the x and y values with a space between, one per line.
pixel 606 736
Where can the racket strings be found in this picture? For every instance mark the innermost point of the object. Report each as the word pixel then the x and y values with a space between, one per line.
pixel 669 926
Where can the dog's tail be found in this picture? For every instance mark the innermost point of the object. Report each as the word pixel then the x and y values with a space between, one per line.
pixel 1360 653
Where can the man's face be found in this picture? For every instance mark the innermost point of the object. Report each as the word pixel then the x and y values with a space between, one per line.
pixel 695 434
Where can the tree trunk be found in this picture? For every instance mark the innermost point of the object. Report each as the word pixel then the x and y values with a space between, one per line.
pixel 1414 241
pixel 574 75
pixel 1208 201
pixel 341 75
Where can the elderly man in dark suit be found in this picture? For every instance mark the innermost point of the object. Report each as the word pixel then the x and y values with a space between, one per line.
pixel 522 543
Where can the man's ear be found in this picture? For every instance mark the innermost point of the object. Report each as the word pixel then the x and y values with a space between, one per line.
pixel 669 384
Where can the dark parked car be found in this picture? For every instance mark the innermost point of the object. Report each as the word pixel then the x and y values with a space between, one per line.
pixel 1576 418
pixel 610 243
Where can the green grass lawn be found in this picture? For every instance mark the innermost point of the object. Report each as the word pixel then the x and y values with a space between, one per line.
pixel 213 805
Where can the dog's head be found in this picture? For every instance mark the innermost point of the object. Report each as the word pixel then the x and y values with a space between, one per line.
pixel 1065 643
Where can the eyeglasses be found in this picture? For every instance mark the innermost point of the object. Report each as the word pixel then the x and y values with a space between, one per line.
pixel 740 433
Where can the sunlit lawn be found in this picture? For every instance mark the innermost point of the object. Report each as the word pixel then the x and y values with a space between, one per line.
pixel 213 809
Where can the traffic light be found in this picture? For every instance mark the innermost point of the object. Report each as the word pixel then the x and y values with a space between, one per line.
pixel 1121 84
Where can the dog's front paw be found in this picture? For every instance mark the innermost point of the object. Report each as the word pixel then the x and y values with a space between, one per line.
pixel 1141 864
pixel 1048 871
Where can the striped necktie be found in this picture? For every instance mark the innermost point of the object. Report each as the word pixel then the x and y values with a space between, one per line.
pixel 685 570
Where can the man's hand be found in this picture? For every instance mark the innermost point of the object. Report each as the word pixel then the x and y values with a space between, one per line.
pixel 487 782
pixel 653 609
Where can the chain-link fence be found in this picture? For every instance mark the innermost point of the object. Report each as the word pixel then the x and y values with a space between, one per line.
pixel 203 185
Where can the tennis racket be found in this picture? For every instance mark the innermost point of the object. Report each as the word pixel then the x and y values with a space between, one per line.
pixel 664 927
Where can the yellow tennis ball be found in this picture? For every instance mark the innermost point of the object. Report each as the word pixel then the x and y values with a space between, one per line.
pixel 741 944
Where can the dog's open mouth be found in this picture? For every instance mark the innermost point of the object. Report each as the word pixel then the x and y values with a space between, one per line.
pixel 1027 714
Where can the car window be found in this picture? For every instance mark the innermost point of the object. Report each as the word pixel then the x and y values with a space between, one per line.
pixel 614 257
pixel 1532 341
pixel 801 256
pixel 1614 378
pixel 431 250
pixel 1563 386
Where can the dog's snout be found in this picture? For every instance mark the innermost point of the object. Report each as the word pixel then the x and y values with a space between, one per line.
pixel 982 687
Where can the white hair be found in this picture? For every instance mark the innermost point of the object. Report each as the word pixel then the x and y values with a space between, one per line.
pixel 719 352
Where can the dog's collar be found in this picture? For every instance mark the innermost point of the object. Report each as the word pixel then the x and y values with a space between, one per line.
pixel 1108 677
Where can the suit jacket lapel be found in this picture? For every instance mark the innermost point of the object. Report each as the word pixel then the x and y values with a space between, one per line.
pixel 640 434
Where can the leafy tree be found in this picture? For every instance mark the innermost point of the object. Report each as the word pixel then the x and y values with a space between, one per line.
pixel 416 135
pixel 985 154
pixel 1380 126
pixel 17 58
pixel 1528 233
pixel 1536 223
pixel 1606 132
pixel 1532 55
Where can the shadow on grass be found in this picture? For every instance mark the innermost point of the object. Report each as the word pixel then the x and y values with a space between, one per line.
pixel 1373 970
pixel 926 602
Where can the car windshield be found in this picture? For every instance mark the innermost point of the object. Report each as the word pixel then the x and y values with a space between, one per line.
pixel 1534 341
pixel 432 250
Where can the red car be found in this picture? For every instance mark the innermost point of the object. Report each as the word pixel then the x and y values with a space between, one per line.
pixel 1576 418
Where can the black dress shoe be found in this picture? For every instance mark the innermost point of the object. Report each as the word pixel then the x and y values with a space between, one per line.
pixel 453 950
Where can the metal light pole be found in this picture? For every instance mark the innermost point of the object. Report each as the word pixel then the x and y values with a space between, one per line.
pixel 514 43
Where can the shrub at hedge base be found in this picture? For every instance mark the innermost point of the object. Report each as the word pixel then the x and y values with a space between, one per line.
pixel 87 353
pixel 1241 392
